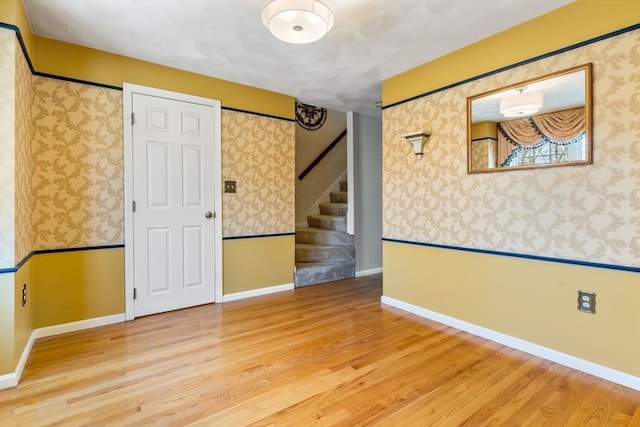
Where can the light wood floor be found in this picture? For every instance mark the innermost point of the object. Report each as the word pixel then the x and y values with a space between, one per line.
pixel 324 355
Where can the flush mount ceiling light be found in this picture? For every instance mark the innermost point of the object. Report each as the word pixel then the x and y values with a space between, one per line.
pixel 298 21
pixel 521 104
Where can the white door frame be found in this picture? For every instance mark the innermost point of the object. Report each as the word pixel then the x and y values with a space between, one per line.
pixel 351 194
pixel 127 97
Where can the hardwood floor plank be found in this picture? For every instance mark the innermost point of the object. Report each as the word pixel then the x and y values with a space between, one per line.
pixel 321 355
pixel 469 391
pixel 524 385
pixel 562 400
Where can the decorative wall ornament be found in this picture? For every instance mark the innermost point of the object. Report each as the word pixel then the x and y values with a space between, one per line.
pixel 310 117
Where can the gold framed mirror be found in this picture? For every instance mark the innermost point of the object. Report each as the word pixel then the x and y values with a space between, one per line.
pixel 538 123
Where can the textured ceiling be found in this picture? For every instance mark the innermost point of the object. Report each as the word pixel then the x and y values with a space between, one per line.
pixel 370 41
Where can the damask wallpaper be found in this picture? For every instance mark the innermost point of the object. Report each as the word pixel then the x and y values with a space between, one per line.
pixel 24 160
pixel 77 161
pixel 258 153
pixel 589 213
pixel 78 168
pixel 484 153
pixel 7 147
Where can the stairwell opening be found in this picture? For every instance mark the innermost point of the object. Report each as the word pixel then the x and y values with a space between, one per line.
pixel 324 250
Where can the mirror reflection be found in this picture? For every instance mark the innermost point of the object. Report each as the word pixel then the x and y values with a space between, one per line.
pixel 542 122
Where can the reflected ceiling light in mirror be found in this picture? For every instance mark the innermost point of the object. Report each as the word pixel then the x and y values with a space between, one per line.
pixel 298 21
pixel 522 103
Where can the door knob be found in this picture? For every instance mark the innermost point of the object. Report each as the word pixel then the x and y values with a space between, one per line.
pixel 208 214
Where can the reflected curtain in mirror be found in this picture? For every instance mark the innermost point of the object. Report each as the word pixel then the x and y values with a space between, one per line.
pixel 542 139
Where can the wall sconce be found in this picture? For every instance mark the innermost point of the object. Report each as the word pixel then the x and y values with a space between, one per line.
pixel 417 139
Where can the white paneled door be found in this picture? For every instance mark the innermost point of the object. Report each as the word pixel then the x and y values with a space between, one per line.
pixel 172 203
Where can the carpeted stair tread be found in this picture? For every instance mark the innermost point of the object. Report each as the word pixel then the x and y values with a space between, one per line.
pixel 325 254
pixel 328 222
pixel 338 197
pixel 337 209
pixel 312 273
pixel 324 251
pixel 319 236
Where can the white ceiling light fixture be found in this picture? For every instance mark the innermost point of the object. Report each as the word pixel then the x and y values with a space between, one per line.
pixel 522 103
pixel 298 21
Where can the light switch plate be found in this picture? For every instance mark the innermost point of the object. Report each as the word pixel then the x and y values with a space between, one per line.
pixel 229 186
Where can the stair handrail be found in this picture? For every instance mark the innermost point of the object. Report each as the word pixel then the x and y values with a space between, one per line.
pixel 317 160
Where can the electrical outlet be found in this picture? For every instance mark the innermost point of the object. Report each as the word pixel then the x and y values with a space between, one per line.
pixel 24 294
pixel 587 301
pixel 229 186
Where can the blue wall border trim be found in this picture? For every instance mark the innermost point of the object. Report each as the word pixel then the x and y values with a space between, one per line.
pixel 53 76
pixel 254 236
pixel 238 110
pixel 90 248
pixel 102 85
pixel 53 251
pixel 518 64
pixel 517 255
pixel 72 80
pixel 81 248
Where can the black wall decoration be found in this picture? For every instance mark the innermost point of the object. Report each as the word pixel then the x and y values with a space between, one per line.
pixel 310 117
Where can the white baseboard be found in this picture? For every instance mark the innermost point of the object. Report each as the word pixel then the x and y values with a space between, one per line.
pixel 24 357
pixel 78 326
pixel 591 368
pixel 368 272
pixel 12 379
pixel 257 292
pixel 8 380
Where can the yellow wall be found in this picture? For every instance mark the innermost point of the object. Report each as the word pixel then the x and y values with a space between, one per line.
pixel 8 11
pixel 484 130
pixel 571 24
pixel 254 263
pixel 559 213
pixel 77 285
pixel 23 320
pixel 63 59
pixel 7 331
pixel 533 300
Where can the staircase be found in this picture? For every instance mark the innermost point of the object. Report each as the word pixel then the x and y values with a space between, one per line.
pixel 324 250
